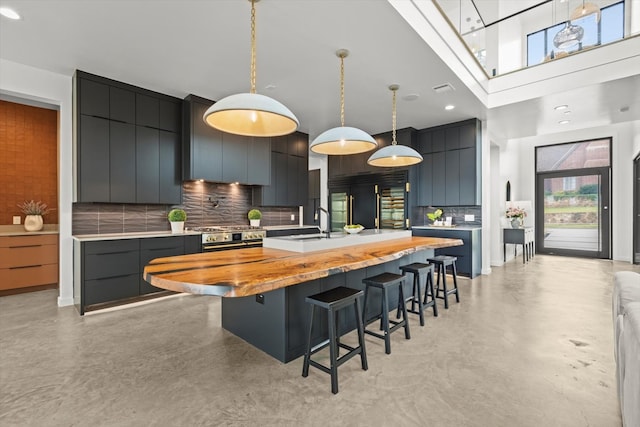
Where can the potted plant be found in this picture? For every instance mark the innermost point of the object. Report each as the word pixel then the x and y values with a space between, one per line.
pixel 435 216
pixel 177 217
pixel 254 216
pixel 33 211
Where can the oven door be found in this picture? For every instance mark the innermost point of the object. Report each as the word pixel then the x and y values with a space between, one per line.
pixel 213 247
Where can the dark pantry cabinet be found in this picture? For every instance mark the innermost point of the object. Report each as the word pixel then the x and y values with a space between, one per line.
pixel 216 156
pixel 127 143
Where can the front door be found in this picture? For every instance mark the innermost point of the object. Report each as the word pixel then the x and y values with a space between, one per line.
pixel 573 213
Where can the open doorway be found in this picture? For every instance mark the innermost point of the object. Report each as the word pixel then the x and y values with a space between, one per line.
pixel 573 199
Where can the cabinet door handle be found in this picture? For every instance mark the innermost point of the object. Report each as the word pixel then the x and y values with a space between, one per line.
pixel 112 277
pixel 25 266
pixel 24 246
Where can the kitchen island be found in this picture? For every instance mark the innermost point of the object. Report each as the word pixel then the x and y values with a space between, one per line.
pixel 264 288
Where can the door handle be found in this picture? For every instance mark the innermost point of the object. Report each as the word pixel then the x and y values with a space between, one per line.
pixel 350 209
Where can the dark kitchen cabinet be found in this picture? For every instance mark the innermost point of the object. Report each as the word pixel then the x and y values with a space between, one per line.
pixel 469 262
pixel 147 111
pixel 259 162
pixel 450 174
pixel 122 162
pixel 288 173
pixel 122 105
pixel 109 272
pixel 118 142
pixel 235 149
pixel 147 165
pixel 93 160
pixel 170 184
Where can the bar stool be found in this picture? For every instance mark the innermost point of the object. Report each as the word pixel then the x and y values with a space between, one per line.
pixel 332 301
pixel 384 282
pixel 441 262
pixel 416 269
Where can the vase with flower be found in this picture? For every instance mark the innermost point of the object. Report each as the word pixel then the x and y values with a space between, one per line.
pixel 516 215
pixel 33 211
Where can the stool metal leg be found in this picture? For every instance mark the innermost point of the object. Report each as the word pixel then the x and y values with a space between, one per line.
pixel 444 285
pixel 360 328
pixel 455 281
pixel 307 354
pixel 385 321
pixel 407 333
pixel 429 291
pixel 333 358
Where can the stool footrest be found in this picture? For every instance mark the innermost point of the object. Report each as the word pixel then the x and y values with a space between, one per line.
pixel 339 361
pixel 395 326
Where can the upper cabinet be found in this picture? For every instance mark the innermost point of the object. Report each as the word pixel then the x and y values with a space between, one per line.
pixel 356 164
pixel 451 173
pixel 289 172
pixel 216 156
pixel 128 145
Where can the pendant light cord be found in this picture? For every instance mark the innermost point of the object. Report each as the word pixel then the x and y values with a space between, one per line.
pixel 393 116
pixel 342 90
pixel 253 46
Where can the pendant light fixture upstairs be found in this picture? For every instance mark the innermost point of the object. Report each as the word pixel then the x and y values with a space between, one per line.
pixel 251 114
pixel 585 10
pixel 394 155
pixel 343 140
pixel 569 36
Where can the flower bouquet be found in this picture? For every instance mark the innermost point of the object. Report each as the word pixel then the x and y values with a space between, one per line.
pixel 516 215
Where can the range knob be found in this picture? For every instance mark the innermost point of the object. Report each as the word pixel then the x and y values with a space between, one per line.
pixel 211 238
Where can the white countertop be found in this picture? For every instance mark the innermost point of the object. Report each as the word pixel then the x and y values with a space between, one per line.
pixel 133 235
pixel 313 242
pixel 455 227
pixel 18 230
pixel 288 227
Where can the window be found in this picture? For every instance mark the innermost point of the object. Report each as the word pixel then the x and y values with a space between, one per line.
pixel 610 28
pixel 573 155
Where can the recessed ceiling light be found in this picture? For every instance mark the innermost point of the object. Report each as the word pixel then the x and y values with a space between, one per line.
pixel 449 107
pixel 564 122
pixel 411 96
pixel 568 112
pixel 561 107
pixel 9 13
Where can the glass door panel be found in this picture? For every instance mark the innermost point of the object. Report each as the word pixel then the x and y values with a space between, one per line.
pixel 339 210
pixel 573 214
pixel 392 210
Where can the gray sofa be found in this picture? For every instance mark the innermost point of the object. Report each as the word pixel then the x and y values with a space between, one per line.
pixel 626 326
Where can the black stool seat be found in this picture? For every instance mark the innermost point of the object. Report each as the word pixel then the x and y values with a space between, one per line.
pixel 334 300
pixel 418 268
pixel 384 282
pixel 442 262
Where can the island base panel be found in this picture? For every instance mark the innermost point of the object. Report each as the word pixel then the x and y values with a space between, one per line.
pixel 276 322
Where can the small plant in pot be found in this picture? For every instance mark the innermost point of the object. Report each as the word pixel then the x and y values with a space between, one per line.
pixel 33 211
pixel 177 217
pixel 254 216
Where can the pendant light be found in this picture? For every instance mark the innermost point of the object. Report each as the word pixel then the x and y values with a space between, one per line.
pixel 343 140
pixel 585 10
pixel 569 36
pixel 394 155
pixel 251 114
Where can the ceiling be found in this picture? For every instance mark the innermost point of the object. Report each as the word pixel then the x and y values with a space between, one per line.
pixel 203 47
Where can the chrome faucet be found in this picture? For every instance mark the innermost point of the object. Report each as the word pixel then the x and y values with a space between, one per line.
pixel 316 216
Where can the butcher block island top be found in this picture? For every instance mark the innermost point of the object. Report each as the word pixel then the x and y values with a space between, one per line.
pixel 244 272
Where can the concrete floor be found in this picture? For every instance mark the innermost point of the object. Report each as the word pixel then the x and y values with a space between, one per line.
pixel 529 345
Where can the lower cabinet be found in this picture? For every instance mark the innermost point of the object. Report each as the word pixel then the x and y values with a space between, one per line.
pixel 109 272
pixel 469 255
pixel 27 261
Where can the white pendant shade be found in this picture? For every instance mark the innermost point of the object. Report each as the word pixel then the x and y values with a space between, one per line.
pixel 343 140
pixel 394 156
pixel 251 114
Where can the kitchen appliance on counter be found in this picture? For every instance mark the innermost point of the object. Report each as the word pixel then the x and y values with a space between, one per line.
pixel 373 201
pixel 220 238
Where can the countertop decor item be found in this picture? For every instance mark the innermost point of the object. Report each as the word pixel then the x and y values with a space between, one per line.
pixel 33 211
pixel 516 216
pixel 251 114
pixel 254 216
pixel 435 217
pixel 394 155
pixel 343 140
pixel 353 228
pixel 177 217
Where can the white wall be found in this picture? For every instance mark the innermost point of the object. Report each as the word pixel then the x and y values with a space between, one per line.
pixel 35 84
pixel 517 162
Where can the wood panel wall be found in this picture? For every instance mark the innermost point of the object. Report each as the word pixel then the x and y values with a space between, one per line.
pixel 28 159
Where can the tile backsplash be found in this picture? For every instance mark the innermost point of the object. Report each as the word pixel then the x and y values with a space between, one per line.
pixel 206 204
pixel 419 215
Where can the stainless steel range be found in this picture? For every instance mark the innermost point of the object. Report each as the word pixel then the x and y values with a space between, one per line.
pixel 221 238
